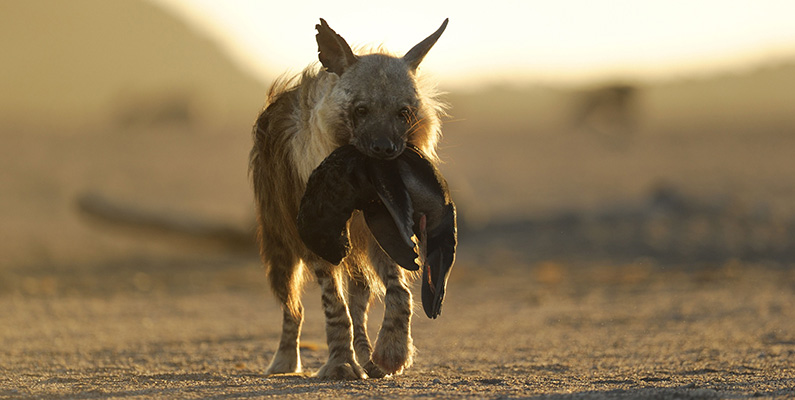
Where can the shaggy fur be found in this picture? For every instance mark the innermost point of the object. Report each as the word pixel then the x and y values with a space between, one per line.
pixel 365 100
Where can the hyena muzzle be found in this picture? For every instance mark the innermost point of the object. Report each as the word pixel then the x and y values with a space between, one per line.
pixel 377 103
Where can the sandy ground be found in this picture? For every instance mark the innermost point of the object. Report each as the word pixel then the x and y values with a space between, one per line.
pixel 570 329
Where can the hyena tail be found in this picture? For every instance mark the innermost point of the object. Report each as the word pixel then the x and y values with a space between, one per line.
pixel 276 192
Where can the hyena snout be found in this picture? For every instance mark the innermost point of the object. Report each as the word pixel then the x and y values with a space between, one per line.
pixel 384 148
pixel 380 141
pixel 379 132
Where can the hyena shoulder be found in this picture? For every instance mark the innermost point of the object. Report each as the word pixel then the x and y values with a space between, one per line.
pixel 302 116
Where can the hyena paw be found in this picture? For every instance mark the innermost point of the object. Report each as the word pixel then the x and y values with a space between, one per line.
pixel 284 362
pixel 341 370
pixel 373 371
pixel 393 353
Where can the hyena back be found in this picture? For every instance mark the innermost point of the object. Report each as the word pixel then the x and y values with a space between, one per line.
pixel 377 103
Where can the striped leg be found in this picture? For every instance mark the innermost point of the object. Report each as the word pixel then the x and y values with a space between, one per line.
pixel 394 348
pixel 284 274
pixel 341 362
pixel 287 358
pixel 359 298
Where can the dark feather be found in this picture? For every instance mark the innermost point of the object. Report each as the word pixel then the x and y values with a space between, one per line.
pixel 329 200
pixel 431 198
pixel 406 204
pixel 388 183
pixel 389 237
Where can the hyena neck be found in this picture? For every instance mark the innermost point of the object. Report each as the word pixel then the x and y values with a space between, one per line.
pixel 318 134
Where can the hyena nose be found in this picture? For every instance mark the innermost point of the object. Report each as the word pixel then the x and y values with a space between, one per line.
pixel 383 148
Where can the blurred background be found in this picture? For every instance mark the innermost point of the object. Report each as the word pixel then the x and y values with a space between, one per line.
pixel 614 131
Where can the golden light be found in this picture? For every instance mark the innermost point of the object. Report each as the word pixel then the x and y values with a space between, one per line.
pixel 510 41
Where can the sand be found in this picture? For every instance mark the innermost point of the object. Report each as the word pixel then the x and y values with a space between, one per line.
pixel 551 330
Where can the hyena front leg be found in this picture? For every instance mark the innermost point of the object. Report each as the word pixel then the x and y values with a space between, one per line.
pixel 341 362
pixel 359 298
pixel 394 348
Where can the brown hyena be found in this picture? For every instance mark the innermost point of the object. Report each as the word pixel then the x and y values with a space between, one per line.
pixel 375 102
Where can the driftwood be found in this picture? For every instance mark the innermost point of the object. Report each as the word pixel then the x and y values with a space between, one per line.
pixel 162 225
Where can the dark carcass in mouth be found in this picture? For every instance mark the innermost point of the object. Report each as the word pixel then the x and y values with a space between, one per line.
pixel 406 204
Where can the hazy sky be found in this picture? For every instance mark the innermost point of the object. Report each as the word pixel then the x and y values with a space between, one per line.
pixel 505 41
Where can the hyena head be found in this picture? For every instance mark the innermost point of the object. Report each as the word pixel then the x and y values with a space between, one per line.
pixel 376 97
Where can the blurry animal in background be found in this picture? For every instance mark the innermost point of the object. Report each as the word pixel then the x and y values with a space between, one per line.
pixel 376 103
pixel 610 113
pixel 151 110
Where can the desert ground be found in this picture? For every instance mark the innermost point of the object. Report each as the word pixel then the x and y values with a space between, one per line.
pixel 623 239
pixel 199 329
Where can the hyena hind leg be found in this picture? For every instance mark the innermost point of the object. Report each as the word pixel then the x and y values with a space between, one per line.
pixel 288 358
pixel 394 348
pixel 284 274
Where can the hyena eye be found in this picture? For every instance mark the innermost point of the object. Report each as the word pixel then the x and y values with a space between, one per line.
pixel 405 114
pixel 360 111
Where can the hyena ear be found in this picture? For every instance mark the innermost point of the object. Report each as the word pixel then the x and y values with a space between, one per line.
pixel 333 51
pixel 414 57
